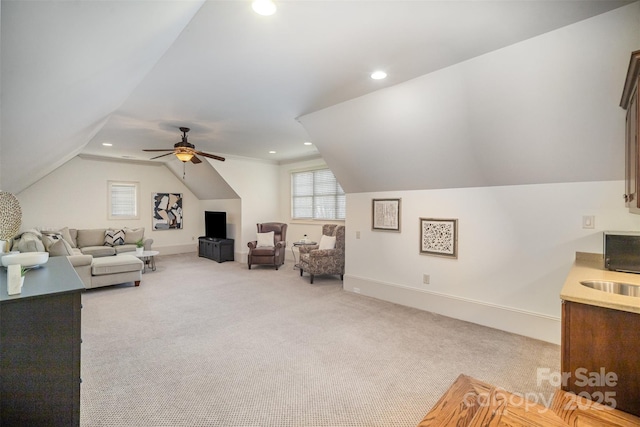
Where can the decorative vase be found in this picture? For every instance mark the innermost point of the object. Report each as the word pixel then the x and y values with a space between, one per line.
pixel 139 251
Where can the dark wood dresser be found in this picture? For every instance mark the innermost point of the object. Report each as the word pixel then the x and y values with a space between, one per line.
pixel 40 347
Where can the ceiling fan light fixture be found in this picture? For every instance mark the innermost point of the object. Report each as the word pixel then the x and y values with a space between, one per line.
pixel 264 7
pixel 184 156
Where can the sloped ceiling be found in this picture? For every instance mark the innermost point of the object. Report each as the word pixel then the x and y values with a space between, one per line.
pixel 546 110
pixel 77 74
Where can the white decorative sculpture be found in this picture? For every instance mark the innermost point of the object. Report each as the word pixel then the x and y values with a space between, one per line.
pixel 14 279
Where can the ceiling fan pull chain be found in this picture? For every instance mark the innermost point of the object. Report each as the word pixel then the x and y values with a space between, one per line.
pixel 184 167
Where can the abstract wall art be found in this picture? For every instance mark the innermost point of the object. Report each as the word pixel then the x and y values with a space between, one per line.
pixel 385 214
pixel 439 237
pixel 167 211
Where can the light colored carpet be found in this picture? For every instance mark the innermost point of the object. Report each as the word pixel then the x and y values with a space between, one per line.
pixel 206 344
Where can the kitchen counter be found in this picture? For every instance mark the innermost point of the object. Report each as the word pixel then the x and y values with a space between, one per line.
pixel 590 266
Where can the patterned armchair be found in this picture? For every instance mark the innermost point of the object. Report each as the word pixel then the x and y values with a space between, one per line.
pixel 324 261
pixel 272 254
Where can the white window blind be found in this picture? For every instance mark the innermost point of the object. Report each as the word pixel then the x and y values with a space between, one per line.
pixel 316 195
pixel 123 200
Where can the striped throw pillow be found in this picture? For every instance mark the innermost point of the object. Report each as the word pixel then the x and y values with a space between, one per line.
pixel 114 237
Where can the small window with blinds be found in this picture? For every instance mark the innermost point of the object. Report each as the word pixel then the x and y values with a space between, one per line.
pixel 123 200
pixel 317 194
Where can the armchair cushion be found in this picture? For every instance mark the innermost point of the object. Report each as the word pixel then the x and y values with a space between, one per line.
pixel 327 242
pixel 265 240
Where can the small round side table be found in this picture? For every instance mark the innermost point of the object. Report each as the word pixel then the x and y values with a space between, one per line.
pixel 296 264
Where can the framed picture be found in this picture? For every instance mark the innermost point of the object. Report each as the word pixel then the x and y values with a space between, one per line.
pixel 385 214
pixel 167 211
pixel 439 237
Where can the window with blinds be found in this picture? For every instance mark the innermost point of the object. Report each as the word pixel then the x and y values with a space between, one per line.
pixel 317 195
pixel 123 200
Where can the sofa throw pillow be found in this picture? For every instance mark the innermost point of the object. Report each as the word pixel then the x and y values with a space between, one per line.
pixel 327 242
pixel 132 235
pixel 66 235
pixel 63 232
pixel 60 248
pixel 265 240
pixel 49 238
pixel 114 237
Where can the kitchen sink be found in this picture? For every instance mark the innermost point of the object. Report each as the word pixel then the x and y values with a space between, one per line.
pixel 613 287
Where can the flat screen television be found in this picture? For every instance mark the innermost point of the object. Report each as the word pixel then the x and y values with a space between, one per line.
pixel 215 224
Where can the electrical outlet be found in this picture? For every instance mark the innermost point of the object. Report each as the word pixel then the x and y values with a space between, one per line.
pixel 357 234
pixel 356 290
pixel 426 279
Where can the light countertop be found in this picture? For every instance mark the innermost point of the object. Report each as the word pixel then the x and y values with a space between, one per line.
pixel 589 266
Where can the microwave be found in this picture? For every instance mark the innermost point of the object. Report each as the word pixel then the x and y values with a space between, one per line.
pixel 622 251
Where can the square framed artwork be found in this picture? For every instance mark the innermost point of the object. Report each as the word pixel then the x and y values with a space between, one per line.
pixel 167 211
pixel 439 237
pixel 385 214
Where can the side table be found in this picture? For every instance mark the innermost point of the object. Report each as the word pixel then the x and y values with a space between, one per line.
pixel 148 258
pixel 296 264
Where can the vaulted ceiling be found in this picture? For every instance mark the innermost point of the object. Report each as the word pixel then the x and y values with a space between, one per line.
pixel 77 74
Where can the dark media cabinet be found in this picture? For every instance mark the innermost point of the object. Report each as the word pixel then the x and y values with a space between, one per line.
pixel 219 250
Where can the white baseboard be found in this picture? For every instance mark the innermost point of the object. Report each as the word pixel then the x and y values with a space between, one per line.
pixel 522 322
pixel 190 248
pixel 176 249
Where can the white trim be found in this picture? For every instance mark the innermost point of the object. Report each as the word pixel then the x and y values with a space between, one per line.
pixel 522 322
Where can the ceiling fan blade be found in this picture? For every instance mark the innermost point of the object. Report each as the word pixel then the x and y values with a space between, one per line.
pixel 158 149
pixel 162 155
pixel 195 160
pixel 211 156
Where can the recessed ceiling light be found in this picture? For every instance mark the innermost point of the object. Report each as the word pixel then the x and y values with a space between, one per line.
pixel 107 144
pixel 308 143
pixel 378 75
pixel 264 7
pixel 272 152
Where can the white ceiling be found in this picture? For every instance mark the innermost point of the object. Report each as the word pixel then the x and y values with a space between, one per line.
pixel 76 74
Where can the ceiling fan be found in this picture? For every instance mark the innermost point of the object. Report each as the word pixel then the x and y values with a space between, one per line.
pixel 185 151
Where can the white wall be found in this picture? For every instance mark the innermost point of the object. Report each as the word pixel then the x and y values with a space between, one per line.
pixel 75 195
pixel 516 246
pixel 542 114
pixel 256 183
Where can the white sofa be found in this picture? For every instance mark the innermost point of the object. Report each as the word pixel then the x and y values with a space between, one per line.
pixel 100 256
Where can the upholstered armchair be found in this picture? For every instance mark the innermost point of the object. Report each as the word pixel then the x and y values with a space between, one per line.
pixel 324 258
pixel 270 245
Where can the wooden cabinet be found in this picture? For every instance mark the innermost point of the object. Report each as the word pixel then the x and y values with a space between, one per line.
pixel 629 102
pixel 40 348
pixel 598 343
pixel 219 250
